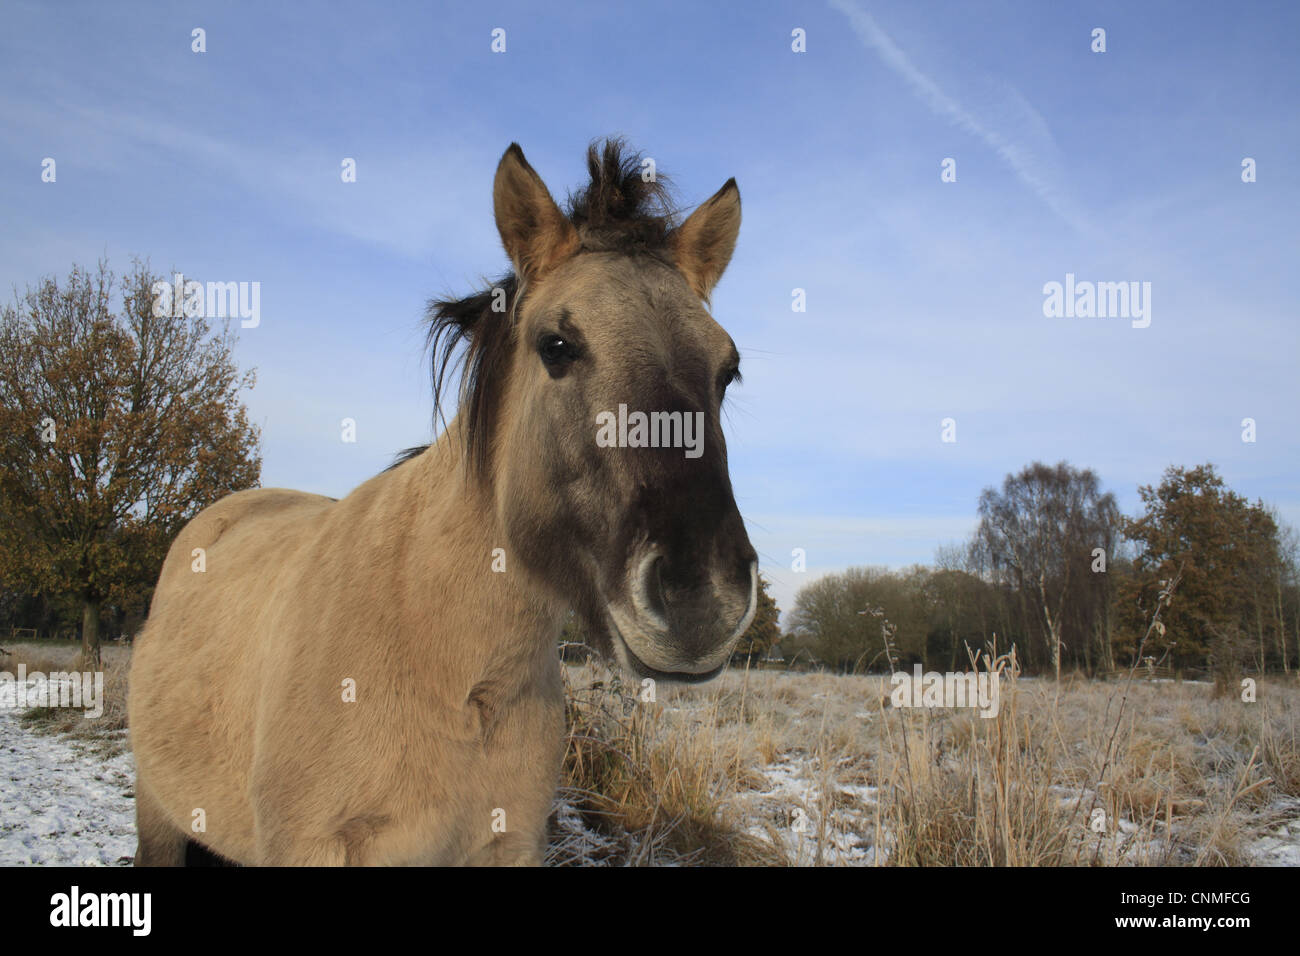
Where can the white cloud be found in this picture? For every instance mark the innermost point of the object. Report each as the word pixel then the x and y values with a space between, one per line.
pixel 402 199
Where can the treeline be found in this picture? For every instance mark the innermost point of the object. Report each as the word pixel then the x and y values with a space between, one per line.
pixel 1055 569
pixel 119 421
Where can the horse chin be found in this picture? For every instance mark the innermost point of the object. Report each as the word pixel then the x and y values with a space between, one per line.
pixel 632 664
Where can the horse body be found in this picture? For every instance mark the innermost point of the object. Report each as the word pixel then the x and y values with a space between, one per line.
pixel 379 589
pixel 375 680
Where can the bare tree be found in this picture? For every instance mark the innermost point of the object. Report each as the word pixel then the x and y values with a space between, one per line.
pixel 1041 530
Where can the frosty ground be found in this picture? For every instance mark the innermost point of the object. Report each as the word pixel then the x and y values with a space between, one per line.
pixel 61 800
pixel 769 768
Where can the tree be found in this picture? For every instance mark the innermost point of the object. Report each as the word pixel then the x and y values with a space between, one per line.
pixel 1286 590
pixel 960 600
pixel 838 618
pixel 825 623
pixel 116 427
pixel 1229 554
pixel 764 631
pixel 1040 532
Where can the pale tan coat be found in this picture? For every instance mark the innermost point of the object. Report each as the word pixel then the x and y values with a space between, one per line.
pixel 375 680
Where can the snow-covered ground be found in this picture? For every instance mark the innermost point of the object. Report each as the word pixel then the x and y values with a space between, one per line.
pixel 788 806
pixel 63 803
pixel 59 802
pixel 1280 846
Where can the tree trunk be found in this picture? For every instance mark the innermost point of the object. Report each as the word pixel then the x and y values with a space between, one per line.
pixel 90 634
pixel 1053 629
pixel 1259 630
pixel 1280 615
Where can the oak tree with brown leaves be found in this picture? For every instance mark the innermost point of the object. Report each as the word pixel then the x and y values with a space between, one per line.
pixel 117 425
pixel 1228 553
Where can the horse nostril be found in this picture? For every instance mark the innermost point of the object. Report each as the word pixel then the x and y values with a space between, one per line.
pixel 653 586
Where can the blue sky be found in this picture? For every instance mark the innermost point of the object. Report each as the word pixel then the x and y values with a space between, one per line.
pixel 924 298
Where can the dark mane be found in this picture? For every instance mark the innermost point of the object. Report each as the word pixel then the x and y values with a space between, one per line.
pixel 617 211
pixel 489 337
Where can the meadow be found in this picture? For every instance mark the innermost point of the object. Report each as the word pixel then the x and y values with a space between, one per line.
pixel 769 768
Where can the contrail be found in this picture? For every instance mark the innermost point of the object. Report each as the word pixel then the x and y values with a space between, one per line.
pixel 1019 158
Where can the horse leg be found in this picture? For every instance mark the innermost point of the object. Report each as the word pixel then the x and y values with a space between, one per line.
pixel 511 849
pixel 281 845
pixel 160 843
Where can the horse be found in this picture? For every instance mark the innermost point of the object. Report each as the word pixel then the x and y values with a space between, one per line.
pixel 374 680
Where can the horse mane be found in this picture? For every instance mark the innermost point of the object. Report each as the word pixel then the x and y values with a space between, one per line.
pixel 619 210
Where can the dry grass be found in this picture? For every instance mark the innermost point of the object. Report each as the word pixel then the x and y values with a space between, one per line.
pixel 104 735
pixel 768 768
pixel 643 788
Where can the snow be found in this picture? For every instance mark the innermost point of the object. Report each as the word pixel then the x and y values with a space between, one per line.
pixel 792 802
pixel 60 803
pixel 63 803
pixel 1280 846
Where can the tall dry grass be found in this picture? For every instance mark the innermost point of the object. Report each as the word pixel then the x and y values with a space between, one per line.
pixel 769 768
pixel 105 734
pixel 729 772
pixel 643 787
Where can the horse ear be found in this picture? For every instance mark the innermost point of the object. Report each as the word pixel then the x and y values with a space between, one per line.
pixel 536 234
pixel 703 244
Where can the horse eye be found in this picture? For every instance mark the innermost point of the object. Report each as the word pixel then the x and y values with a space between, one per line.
pixel 728 376
pixel 553 349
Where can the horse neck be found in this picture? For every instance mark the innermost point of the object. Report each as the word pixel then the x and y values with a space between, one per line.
pixel 450 559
